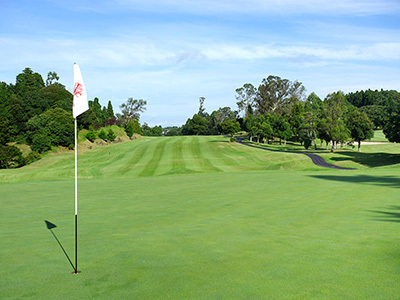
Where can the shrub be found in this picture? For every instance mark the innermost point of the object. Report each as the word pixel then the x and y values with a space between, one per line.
pixel 102 135
pixel 40 143
pixel 10 157
pixel 91 136
pixel 32 157
pixel 233 139
pixel 307 144
pixel 111 135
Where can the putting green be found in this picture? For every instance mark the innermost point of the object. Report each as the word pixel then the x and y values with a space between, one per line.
pixel 216 229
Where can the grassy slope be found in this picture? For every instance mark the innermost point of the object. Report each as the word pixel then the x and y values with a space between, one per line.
pixel 157 156
pixel 220 228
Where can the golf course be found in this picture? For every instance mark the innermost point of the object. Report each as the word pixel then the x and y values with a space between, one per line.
pixel 202 218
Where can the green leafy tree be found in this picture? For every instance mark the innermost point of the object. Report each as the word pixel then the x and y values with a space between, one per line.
pixel 392 128
pixel 132 108
pixel 102 135
pixel 41 142
pixel 51 77
pixel 4 132
pixel 57 96
pixel 10 157
pixel 111 135
pixel 230 126
pixel 360 126
pixel 56 124
pixel 246 96
pixel 110 110
pixel 91 136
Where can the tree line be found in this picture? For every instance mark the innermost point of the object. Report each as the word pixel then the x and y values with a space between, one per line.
pixel 39 113
pixel 278 109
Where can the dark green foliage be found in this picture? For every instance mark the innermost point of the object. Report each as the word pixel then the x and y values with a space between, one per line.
pixel 148 131
pixel 307 143
pixel 57 96
pixel 111 135
pixel 32 157
pixel 40 142
pixel 230 126
pixel 10 157
pixel 110 110
pixel 56 124
pixel 129 129
pixel 392 128
pixel 4 132
pixel 173 131
pixel 91 136
pixel 133 127
pixel 377 104
pixel 360 126
pixel 102 135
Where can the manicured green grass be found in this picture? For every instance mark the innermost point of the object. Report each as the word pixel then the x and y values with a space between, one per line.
pixel 379 136
pixel 185 217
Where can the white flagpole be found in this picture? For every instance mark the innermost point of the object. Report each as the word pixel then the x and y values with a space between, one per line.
pixel 76 200
pixel 80 105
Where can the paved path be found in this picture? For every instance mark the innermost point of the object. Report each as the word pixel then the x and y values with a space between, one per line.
pixel 316 159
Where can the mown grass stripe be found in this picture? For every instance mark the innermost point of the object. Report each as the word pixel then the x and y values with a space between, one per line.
pixel 152 165
pixel 136 154
pixel 199 152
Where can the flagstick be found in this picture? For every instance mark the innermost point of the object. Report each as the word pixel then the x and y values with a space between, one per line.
pixel 76 201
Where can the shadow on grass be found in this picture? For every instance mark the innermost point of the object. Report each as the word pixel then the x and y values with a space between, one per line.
pixel 387 181
pixel 388 216
pixel 368 159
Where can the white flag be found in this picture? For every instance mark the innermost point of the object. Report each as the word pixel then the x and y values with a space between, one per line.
pixel 80 104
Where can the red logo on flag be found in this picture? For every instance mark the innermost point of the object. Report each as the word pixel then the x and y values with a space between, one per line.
pixel 78 89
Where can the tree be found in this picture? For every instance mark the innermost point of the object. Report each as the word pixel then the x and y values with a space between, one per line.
pixel 230 127
pixel 332 117
pixel 55 124
pixel 245 97
pixel 202 110
pixel 111 135
pixel 10 157
pixel 4 132
pixel 56 96
pixel 360 126
pixel 281 128
pixel 392 128
pixel 51 76
pixel 271 94
pixel 110 110
pixel 130 110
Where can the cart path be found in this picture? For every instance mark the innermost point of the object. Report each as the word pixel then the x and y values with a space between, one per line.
pixel 316 159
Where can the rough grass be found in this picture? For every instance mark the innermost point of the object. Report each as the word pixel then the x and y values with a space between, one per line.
pixel 199 218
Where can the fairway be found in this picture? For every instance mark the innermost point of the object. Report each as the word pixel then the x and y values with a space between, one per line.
pixel 199 218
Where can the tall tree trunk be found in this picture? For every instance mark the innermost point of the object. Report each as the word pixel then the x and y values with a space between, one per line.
pixel 285 142
pixel 359 146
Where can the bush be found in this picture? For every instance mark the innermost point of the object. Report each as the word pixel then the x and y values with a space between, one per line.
pixel 40 143
pixel 102 135
pixel 233 139
pixel 71 147
pixel 32 157
pixel 91 136
pixel 111 135
pixel 307 144
pixel 10 157
pixel 129 129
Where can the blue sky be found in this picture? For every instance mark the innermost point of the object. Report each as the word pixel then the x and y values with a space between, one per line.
pixel 172 52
